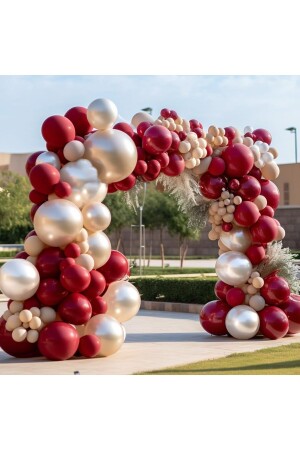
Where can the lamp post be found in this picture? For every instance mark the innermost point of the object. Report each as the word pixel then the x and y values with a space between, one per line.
pixel 294 130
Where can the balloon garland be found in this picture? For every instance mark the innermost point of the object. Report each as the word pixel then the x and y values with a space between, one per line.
pixel 68 290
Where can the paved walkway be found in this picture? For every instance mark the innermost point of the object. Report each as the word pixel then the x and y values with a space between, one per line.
pixel 154 340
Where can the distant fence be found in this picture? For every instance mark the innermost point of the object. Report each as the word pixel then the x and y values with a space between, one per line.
pixel 11 247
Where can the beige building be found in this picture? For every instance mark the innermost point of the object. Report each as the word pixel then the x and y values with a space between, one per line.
pixel 15 162
pixel 288 184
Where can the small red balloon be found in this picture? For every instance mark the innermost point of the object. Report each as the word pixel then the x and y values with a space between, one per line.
pixel 271 192
pixel 96 286
pixel 37 197
pixel 72 250
pixel 173 114
pixel 48 262
pixel 22 255
pixel 264 230
pixel 126 184
pixel 175 141
pixel 50 292
pixel 44 177
pixel 213 315
pixel 125 127
pixel 199 132
pixel 111 188
pixel 67 262
pixel 211 187
pixel 157 139
pixel 274 323
pixel 235 297
pixel 75 278
pixel 75 309
pixel 165 113
pixel 142 127
pixel 33 211
pixel 230 133
pixel 78 116
pixel 239 160
pixel 234 184
pixel 31 302
pixel 256 254
pixel 267 211
pixel 194 124
pixel 176 165
pixel 263 135
pixel 246 214
pixel 58 341
pixel 221 289
pixel 30 163
pixel 275 291
pixel 256 173
pixel 227 226
pixel 163 160
pixel 60 154
pixel 99 305
pixel 154 167
pixel 58 131
pixel 140 168
pixel 249 187
pixel 115 268
pixel 89 345
pixel 292 309
pixel 63 189
pixel 137 140
pixel 217 166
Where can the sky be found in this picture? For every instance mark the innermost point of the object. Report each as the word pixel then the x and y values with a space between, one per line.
pixel 270 102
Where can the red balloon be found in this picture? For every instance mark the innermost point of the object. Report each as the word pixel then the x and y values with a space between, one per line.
pixel 60 154
pixel 111 188
pixel 125 127
pixel 176 165
pixel 271 192
pixel 75 309
pixel 275 291
pixel 140 168
pixel 213 315
pixel 256 254
pixel 264 230
pixel 96 286
pixel 292 309
pixel 115 268
pixel 137 140
pixel 75 278
pixel 48 262
pixel 211 187
pixel 31 302
pixel 239 160
pixel 44 177
pixel 274 323
pixel 58 131
pixel 99 305
pixel 22 349
pixel 209 150
pixel 217 166
pixel 199 132
pixel 235 297
pixel 267 211
pixel 67 262
pixel 229 133
pixel 30 163
pixel 78 116
pixel 227 226
pixel 31 233
pixel 63 189
pixel 154 167
pixel 175 141
pixel 22 255
pixel 142 127
pixel 262 135
pixel 163 160
pixel 79 138
pixel 58 341
pixel 141 153
pixel 157 139
pixel 221 289
pixel 173 114
pixel 194 124
pixel 37 197
pixel 165 113
pixel 33 211
pixel 255 172
pixel 50 292
pixel 249 187
pixel 246 214
pixel 234 184
pixel 126 184
pixel 72 250
pixel 182 135
pixel 89 345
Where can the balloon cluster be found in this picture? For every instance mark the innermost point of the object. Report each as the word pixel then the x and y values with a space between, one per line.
pixel 68 290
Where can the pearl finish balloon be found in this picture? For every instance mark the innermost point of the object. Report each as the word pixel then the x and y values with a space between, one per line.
pixel 102 113
pixel 99 248
pixel 233 268
pixel 238 239
pixel 123 300
pixel 110 332
pixel 141 117
pixel 242 322
pixel 19 279
pixel 96 217
pixel 57 222
pixel 49 158
pixel 113 153
pixel 83 179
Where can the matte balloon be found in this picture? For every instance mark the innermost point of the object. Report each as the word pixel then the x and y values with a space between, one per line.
pixel 96 216
pixel 123 300
pixel 99 305
pixel 256 253
pixel 30 163
pixel 75 278
pixel 212 317
pixel 58 341
pixel 262 135
pixel 58 130
pixel 89 345
pixel 108 330
pixel 238 239
pixel 102 113
pixel 274 323
pixel 242 322
pixel 233 268
pixel 99 248
pixel 19 279
pixel 44 177
pixel 249 187
pixel 97 285
pixel 51 292
pixel 125 127
pixel 78 116
pixel 271 192
pixel 235 297
pixel 57 222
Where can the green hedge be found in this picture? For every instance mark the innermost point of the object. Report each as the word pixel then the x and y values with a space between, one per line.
pixel 177 290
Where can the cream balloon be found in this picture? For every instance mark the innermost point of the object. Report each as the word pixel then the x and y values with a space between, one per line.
pixel 270 171
pixel 110 332
pixel 57 222
pixel 19 279
pixel 99 248
pixel 257 302
pixel 102 113
pixel 199 170
pixel 238 239
pixel 13 322
pixel 242 322
pixel 141 117
pixel 19 334
pixel 47 314
pixel 74 150
pixel 85 261
pixel 15 307
pixel 49 158
pixel 113 153
pixel 233 268
pixel 96 216
pixel 123 300
pixel 83 179
pixel 33 245
pixel 32 336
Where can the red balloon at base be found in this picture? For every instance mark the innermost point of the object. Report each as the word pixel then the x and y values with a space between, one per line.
pixel 292 309
pixel 89 345
pixel 274 323
pixel 58 341
pixel 17 349
pixel 213 315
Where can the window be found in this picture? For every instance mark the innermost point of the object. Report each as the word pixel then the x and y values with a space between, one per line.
pixel 286 193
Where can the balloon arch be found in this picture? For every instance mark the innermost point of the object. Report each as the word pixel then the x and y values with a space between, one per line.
pixel 68 291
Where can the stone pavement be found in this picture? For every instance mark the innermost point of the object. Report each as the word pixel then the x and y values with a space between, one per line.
pixel 154 340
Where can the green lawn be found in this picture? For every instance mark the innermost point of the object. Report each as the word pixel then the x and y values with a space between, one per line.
pixel 169 270
pixel 282 360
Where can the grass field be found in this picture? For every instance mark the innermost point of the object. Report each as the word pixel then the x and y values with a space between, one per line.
pixel 282 360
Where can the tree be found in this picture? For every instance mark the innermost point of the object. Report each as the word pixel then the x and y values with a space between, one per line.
pixel 15 207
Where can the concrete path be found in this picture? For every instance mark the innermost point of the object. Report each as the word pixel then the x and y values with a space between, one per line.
pixel 154 340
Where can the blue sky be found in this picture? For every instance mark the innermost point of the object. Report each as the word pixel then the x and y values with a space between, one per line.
pixel 271 102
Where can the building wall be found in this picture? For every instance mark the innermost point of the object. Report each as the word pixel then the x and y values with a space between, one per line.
pixel 288 184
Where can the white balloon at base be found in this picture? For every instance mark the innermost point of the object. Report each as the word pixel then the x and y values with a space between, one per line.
pixel 123 300
pixel 233 268
pixel 19 279
pixel 242 322
pixel 108 330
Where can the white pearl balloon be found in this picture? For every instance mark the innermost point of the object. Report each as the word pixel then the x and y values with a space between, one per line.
pixel 141 117
pixel 237 239
pixel 99 248
pixel 233 268
pixel 96 216
pixel 110 332
pixel 242 322
pixel 257 302
pixel 74 150
pixel 123 300
pixel 102 113
pixel 19 279
pixel 49 158
pixel 85 261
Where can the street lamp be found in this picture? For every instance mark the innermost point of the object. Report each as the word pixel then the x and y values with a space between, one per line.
pixel 148 110
pixel 294 130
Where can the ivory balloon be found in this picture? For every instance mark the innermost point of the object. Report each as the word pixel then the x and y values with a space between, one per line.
pixel 233 268
pixel 237 239
pixel 96 216
pixel 110 332
pixel 49 158
pixel 123 300
pixel 102 113
pixel 99 248
pixel 85 261
pixel 57 222
pixel 242 322
pixel 270 171
pixel 141 117
pixel 19 279
pixel 33 245
pixel 113 153
pixel 73 150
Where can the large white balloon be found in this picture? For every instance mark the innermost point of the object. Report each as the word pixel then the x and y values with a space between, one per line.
pixel 242 322
pixel 113 153
pixel 57 222
pixel 102 113
pixel 96 216
pixel 238 239
pixel 99 248
pixel 19 279
pixel 233 268
pixel 110 332
pixel 123 300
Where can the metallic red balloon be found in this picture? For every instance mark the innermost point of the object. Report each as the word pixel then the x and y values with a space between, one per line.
pixel 142 127
pixel 292 310
pixel 78 116
pixel 58 131
pixel 37 197
pixel 221 289
pixel 211 187
pixel 125 127
pixel 89 345
pixel 175 141
pixel 274 323
pixel 176 165
pixel 235 297
pixel 246 214
pixel 17 349
pixel 96 286
pixel 264 230
pixel 256 253
pixel 99 305
pixel 30 163
pixel 275 291
pixel 157 139
pixel 75 309
pixel 140 168
pixel 58 341
pixel 75 278
pixel 263 135
pixel 217 166
pixel 229 133
pixel 126 184
pixel 271 192
pixel 163 159
pixel 213 315
pixel 50 292
pixel 62 189
pixel 267 211
pixel 115 268
pixel 239 160
pixel 48 262
pixel 249 187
